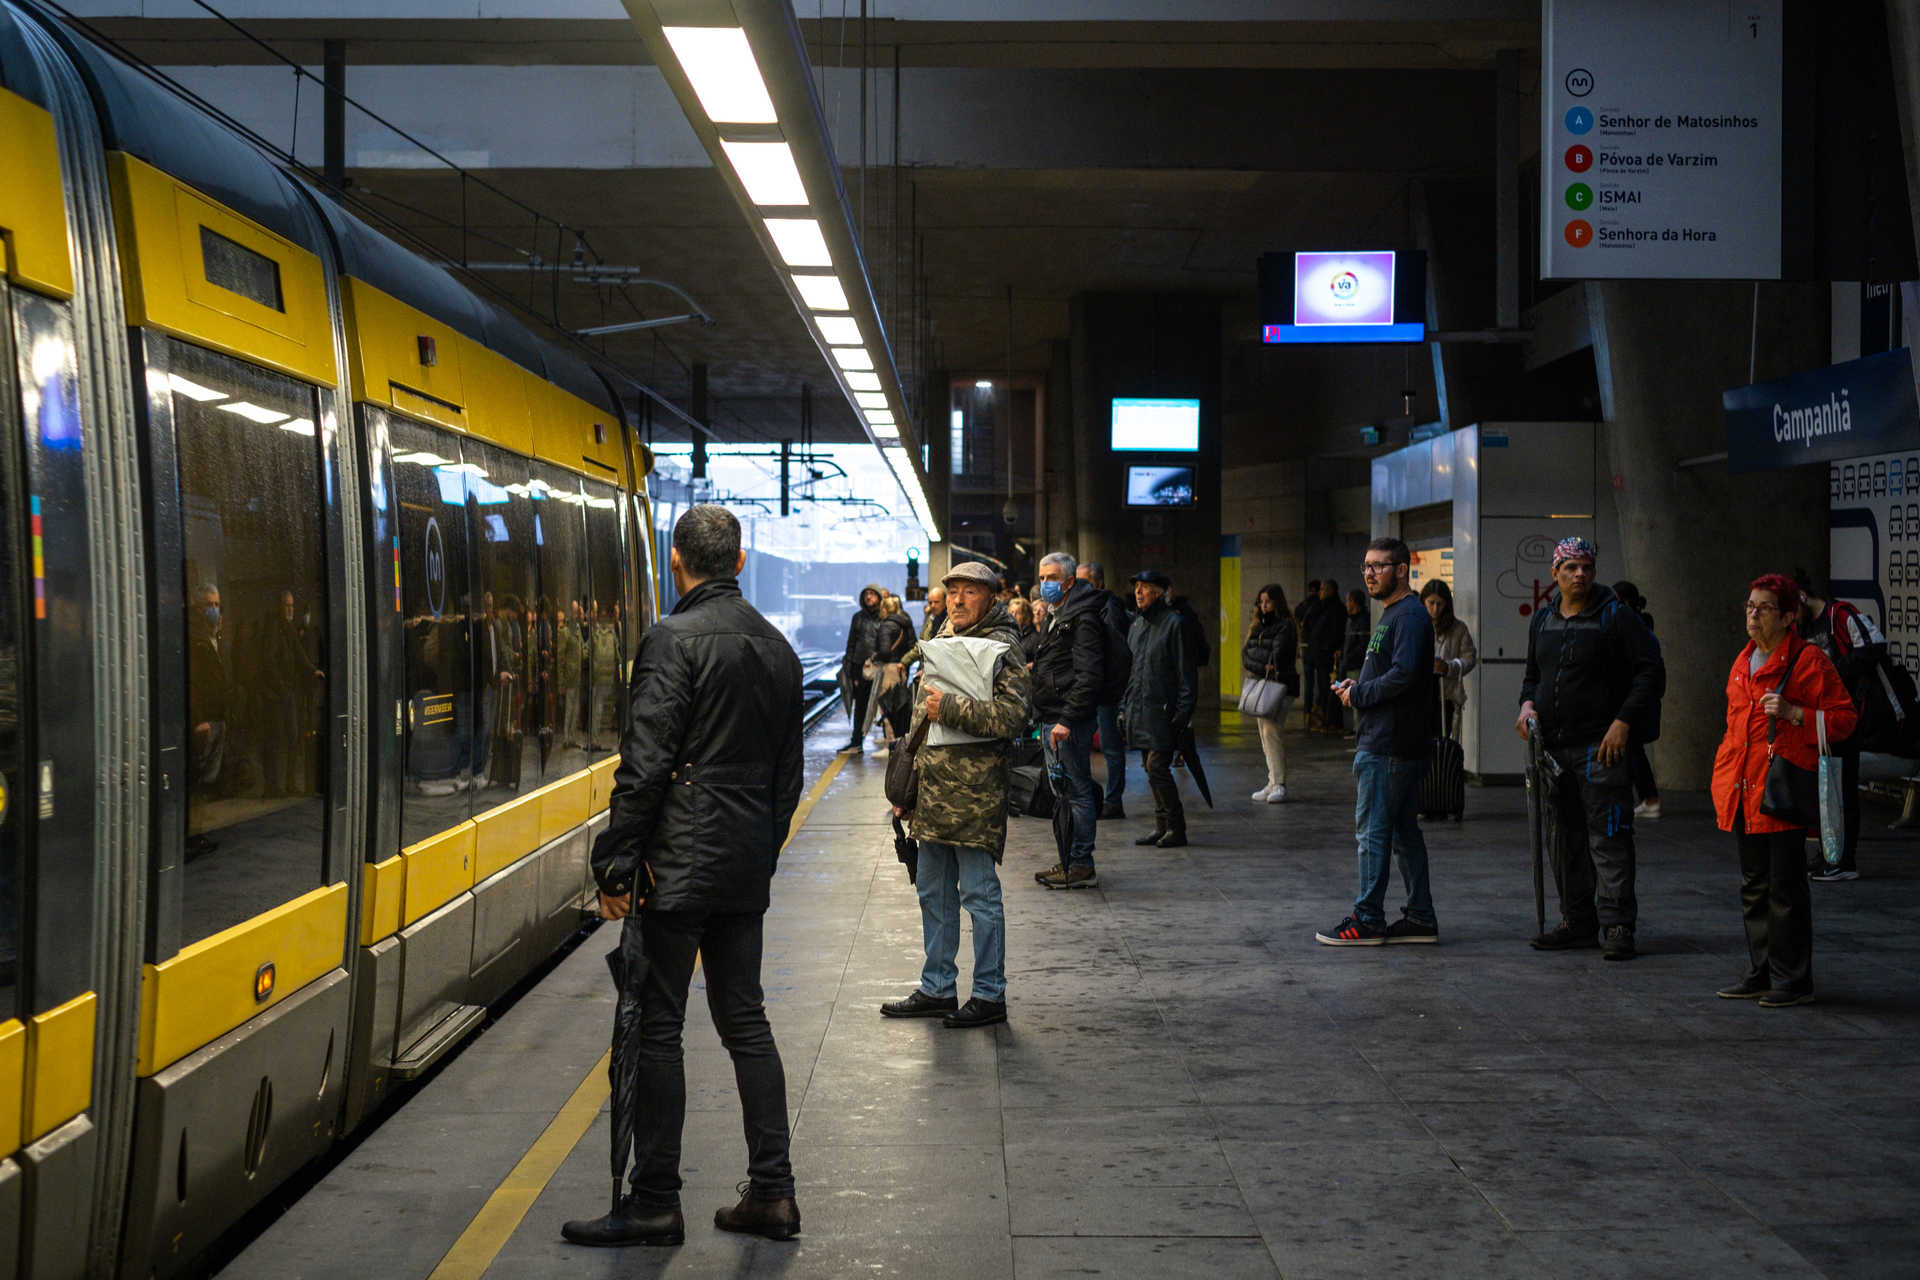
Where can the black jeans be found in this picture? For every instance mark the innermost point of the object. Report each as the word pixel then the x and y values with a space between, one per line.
pixel 729 947
pixel 1168 812
pixel 1593 813
pixel 1776 905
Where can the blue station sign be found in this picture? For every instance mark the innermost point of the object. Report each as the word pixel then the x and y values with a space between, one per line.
pixel 1844 411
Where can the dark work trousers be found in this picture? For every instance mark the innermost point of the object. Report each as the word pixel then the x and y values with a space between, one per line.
pixel 729 948
pixel 1777 906
pixel 1593 868
pixel 1313 687
pixel 1168 812
pixel 862 690
pixel 1641 770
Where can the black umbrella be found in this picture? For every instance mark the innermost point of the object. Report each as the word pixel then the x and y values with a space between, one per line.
pixel 628 964
pixel 1185 749
pixel 907 849
pixel 1062 812
pixel 1536 820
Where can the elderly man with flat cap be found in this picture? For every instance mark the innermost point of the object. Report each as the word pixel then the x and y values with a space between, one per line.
pixel 960 818
pixel 1593 677
pixel 1162 688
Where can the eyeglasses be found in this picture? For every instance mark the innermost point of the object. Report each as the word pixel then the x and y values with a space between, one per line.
pixel 1755 610
pixel 1377 566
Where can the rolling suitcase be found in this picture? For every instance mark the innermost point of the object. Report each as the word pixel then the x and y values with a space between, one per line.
pixel 1443 792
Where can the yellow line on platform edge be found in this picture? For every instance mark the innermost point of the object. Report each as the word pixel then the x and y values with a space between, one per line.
pixel 507 1207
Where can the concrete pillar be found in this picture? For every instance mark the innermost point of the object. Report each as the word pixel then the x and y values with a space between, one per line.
pixel 1693 538
pixel 1903 36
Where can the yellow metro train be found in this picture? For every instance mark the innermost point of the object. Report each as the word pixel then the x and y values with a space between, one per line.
pixel 319 574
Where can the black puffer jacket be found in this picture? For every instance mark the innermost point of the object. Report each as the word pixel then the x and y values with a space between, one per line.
pixel 1069 666
pixel 1587 671
pixel 1275 644
pixel 863 636
pixel 710 770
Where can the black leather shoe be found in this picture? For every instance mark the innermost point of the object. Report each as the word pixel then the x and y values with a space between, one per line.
pixel 920 1005
pixel 977 1013
pixel 774 1219
pixel 1174 839
pixel 1152 837
pixel 1619 943
pixel 635 1223
pixel 1113 812
pixel 1564 937
pixel 1783 998
pixel 1746 989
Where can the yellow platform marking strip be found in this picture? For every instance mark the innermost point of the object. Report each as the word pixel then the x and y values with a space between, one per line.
pixel 504 1210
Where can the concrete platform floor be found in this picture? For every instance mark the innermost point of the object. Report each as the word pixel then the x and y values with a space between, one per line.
pixel 1190 1087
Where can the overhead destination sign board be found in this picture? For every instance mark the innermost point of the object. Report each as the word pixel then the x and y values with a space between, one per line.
pixel 1660 139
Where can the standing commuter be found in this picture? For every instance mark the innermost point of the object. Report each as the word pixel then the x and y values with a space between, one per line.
pixel 1646 789
pixel 1269 654
pixel 1069 673
pixel 709 777
pixel 1453 654
pixel 856 675
pixel 1162 689
pixel 1856 648
pixel 289 671
pixel 1313 677
pixel 1112 742
pixel 1394 695
pixel 1324 638
pixel 961 817
pixel 936 612
pixel 1778 686
pixel 1592 676
pixel 1353 644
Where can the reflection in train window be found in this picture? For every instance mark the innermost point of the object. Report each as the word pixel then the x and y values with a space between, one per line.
pixel 565 678
pixel 14 786
pixel 606 703
pixel 253 579
pixel 434 601
pixel 507 634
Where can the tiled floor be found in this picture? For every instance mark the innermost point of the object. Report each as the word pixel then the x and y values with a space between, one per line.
pixel 1190 1087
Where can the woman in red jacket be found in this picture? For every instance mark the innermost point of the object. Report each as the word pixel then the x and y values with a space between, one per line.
pixel 1778 682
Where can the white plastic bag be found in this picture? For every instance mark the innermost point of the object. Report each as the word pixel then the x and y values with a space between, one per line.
pixel 1833 797
pixel 964 665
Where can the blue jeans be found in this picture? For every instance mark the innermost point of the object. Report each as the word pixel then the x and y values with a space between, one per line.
pixel 1075 758
pixel 952 877
pixel 1115 751
pixel 1386 821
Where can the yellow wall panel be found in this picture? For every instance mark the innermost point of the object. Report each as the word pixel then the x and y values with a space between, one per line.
pixel 59 1065
pixel 498 391
pixel 507 834
pixel 13 1083
pixel 438 869
pixel 384 334
pixel 564 433
pixel 563 806
pixel 159 222
pixel 33 213
pixel 382 894
pixel 208 988
pixel 603 783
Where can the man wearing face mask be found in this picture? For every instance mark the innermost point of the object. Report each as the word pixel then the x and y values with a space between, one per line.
pixel 1069 670
pixel 1593 678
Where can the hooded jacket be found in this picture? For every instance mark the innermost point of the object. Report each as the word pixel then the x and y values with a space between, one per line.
pixel 1162 687
pixel 1069 663
pixel 963 787
pixel 1587 671
pixel 863 636
pixel 710 769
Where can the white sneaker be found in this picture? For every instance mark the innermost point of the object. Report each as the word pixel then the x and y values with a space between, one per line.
pixel 1648 809
pixel 1261 794
pixel 1277 793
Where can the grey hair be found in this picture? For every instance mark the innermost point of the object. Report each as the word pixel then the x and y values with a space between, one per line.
pixel 1061 558
pixel 1096 572
pixel 708 540
pixel 206 591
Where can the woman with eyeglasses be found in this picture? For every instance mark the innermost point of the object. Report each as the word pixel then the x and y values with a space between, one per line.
pixel 1778 688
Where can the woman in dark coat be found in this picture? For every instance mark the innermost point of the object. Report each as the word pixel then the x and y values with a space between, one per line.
pixel 1270 653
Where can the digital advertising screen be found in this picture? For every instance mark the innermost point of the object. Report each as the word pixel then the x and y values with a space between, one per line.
pixel 1157 425
pixel 1343 295
pixel 1159 486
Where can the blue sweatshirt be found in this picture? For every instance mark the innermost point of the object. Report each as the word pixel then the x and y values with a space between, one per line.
pixel 1395 693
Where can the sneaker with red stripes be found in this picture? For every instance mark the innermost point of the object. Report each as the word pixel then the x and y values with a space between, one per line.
pixel 1353 933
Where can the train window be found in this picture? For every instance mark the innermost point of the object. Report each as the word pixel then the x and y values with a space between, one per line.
pixel 607 630
pixel 566 629
pixel 431 489
pixel 233 266
pixel 508 721
pixel 15 554
pixel 254 580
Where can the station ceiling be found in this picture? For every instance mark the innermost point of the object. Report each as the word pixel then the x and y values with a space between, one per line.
pixel 1238 160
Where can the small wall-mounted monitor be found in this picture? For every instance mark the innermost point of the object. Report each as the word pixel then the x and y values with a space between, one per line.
pixel 1155 425
pixel 1159 486
pixel 1343 295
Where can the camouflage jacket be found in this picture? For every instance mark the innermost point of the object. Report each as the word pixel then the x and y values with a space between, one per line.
pixel 963 788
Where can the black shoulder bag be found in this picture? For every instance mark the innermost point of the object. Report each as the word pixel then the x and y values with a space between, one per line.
pixel 1791 794
pixel 903 772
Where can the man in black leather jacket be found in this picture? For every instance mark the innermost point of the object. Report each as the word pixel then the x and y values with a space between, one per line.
pixel 709 777
pixel 863 642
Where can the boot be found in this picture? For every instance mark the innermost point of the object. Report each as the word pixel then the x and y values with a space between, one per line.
pixel 1176 837
pixel 1159 830
pixel 774 1219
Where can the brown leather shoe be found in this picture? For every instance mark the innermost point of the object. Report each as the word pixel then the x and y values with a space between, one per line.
pixel 635 1223
pixel 774 1219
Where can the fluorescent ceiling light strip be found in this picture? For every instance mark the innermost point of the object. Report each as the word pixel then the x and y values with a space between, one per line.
pixel 852 358
pixel 878 416
pixel 840 331
pixel 821 293
pixel 719 64
pixel 885 430
pixel 870 399
pixel 767 171
pixel 254 413
pixel 299 426
pixel 800 242
pixel 861 380
pixel 193 390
